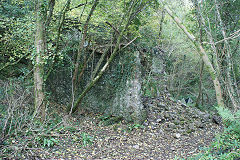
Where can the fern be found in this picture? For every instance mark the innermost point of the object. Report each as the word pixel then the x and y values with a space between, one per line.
pixel 231 120
pixel 226 114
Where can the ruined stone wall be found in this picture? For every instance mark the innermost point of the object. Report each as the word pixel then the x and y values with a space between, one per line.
pixel 118 92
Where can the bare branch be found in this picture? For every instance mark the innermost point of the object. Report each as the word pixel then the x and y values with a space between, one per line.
pixel 80 5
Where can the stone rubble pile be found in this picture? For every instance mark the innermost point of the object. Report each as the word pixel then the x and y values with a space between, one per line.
pixel 176 117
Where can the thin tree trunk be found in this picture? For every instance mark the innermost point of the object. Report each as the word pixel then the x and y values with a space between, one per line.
pixel 61 21
pixel 50 7
pixel 200 94
pixel 227 49
pixel 85 65
pixel 93 74
pixel 203 55
pixel 60 26
pixel 81 47
pixel 38 64
pixel 200 85
pixel 161 25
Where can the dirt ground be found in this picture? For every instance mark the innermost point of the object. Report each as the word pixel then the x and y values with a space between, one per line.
pixel 159 138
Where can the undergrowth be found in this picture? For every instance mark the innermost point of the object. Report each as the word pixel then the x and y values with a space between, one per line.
pixel 226 145
pixel 21 133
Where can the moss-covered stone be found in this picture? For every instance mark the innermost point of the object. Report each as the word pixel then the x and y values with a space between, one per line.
pixel 118 92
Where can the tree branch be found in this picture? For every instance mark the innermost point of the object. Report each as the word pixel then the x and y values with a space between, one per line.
pixel 203 55
pixel 80 5
pixel 81 47
pixel 51 8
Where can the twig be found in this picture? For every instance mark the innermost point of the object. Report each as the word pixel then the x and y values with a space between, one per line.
pixel 11 64
pixel 130 42
pixel 233 36
pixel 116 30
pixel 33 148
pixel 80 5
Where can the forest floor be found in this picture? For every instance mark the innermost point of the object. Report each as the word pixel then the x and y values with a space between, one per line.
pixel 158 138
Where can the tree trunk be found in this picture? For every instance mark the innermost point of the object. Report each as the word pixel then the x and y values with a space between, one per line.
pixel 81 47
pixel 203 55
pixel 227 49
pixel 161 25
pixel 200 94
pixel 38 64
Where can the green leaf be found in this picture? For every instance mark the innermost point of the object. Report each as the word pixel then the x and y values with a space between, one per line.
pixel 45 141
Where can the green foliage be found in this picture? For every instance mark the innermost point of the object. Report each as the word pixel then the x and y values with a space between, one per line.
pixel 226 145
pixel 64 129
pixel 104 117
pixel 46 141
pixel 131 127
pixel 15 8
pixel 150 86
pixel 231 120
pixel 86 139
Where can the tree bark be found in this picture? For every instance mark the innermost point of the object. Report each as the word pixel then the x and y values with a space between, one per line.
pixel 81 47
pixel 200 94
pixel 203 55
pixel 38 64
